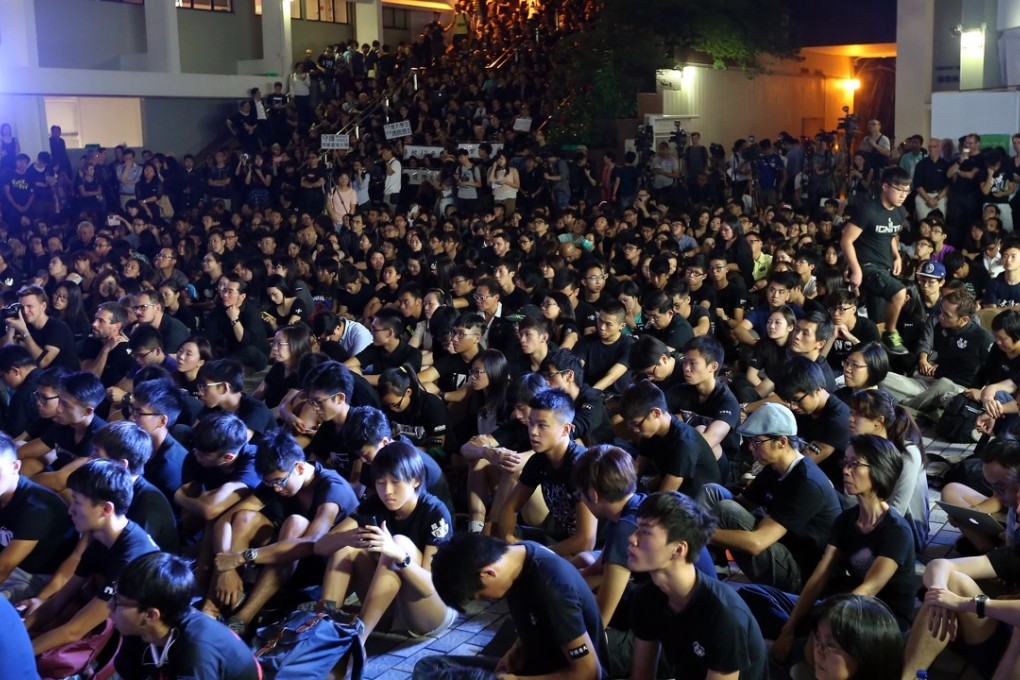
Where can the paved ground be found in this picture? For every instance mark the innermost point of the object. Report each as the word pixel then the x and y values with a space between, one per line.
pixel 392 657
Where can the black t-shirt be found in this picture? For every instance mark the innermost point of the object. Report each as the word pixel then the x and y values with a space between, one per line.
pixel 165 466
pixel 57 334
pixel 961 353
pixel 599 357
pixel 891 538
pixel 733 296
pixel 585 316
pixel 864 330
pixel 879 226
pixel 832 427
pixel 551 605
pixel 118 361
pixel 676 335
pixel 714 632
pixel 591 419
pixel 327 487
pixel 108 563
pixel 682 452
pixel 21 414
pixel 513 435
pixel 152 512
pixel 35 513
pixel 720 404
pixel 804 503
pixel 204 648
pixel 1000 293
pixel 256 416
pixel 19 185
pixel 278 383
pixel 374 359
pixel 558 488
pixel 453 372
pixel 61 437
pixel 241 471
pixel 423 421
pixel 429 524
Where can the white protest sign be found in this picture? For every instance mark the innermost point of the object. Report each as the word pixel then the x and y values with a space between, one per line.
pixel 398 130
pixel 341 142
pixel 522 124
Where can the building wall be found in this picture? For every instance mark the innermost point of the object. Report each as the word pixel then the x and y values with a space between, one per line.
pixel 89 35
pixel 184 125
pixel 213 42
pixel 799 97
pixel 315 35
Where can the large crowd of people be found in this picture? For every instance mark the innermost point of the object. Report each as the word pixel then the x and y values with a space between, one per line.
pixel 466 364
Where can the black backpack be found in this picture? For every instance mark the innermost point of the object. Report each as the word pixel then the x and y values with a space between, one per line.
pixel 959 420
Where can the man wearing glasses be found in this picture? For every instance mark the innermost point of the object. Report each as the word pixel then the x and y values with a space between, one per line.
pixel 794 498
pixel 276 527
pixel 155 407
pixel 388 349
pixel 871 244
pixel 848 329
pixel 450 372
pixel 148 309
pixel 234 327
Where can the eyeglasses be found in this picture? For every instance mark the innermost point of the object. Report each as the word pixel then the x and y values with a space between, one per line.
pixel 398 404
pixel 482 298
pixel 694 272
pixel 205 387
pixel 142 308
pixel 756 442
pixel 636 427
pixel 375 329
pixel 902 190
pixel 223 290
pixel 136 412
pixel 476 372
pixel 318 403
pixel 460 335
pixel 39 396
pixel 853 464
pixel 797 401
pixel 279 483
pixel 552 374
pixel 142 355
pixel 840 310
pixel 596 278
pixel 547 304
pixel 117 601
pixel 827 646
pixel 853 366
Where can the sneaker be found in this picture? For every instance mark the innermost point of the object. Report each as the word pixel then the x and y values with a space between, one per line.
pixel 894 343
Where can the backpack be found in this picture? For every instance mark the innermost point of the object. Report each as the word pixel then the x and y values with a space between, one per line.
pixel 309 645
pixel 90 657
pixel 958 420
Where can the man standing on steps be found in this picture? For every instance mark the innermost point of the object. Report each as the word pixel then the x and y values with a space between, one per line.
pixel 871 244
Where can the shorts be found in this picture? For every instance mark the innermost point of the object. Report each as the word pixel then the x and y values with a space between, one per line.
pixel 21 585
pixel 878 287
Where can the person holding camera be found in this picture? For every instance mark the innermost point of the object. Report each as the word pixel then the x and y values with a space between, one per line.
pixel 48 340
pixel 965 197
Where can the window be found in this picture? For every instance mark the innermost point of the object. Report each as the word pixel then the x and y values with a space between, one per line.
pixel 395 18
pixel 128 2
pixel 330 11
pixel 207 5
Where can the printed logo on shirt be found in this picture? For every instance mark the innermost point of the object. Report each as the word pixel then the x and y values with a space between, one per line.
pixel 889 228
pixel 962 343
pixel 6 535
pixel 698 649
pixel 440 529
pixel 410 431
pixel 338 460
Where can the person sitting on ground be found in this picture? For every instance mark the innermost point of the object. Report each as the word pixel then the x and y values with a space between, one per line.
pixel 101 493
pixel 671 455
pixel 782 547
pixel 856 637
pixel 163 636
pixel 125 443
pixel 699 623
pixel 155 407
pixel 386 556
pixel 388 348
pixel 70 442
pixel 863 369
pixel 606 353
pixel 221 389
pixel 871 551
pixel 564 371
pixel 559 631
pixel 570 527
pixel 20 374
pixel 276 527
pixel 37 534
pixel 955 607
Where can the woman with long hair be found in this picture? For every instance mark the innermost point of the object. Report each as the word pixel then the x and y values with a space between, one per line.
pixel 69 307
pixel 870 550
pixel 290 344
pixel 412 410
pixel 767 356
pixel 557 310
pixel 433 299
pixel 191 356
pixel 856 636
pixel 285 307
pixel 875 412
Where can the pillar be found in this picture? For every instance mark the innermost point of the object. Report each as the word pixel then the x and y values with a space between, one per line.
pixel 277 41
pixel 368 25
pixel 915 25
pixel 19 46
pixel 162 37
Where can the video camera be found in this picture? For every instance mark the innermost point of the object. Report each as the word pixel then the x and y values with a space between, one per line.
pixel 848 123
pixel 679 136
pixel 643 138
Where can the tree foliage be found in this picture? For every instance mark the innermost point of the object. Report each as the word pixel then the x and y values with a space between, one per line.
pixel 598 73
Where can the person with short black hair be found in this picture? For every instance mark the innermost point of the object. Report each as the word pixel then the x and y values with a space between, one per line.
pixel 849 328
pixel 701 624
pixel 559 631
pixel 386 556
pixel 105 354
pixel 670 453
pixel 234 327
pixel 221 388
pixel 388 348
pixel 101 493
pixel 125 443
pixel 662 321
pixel 148 308
pixel 275 528
pixel 777 295
pixel 651 359
pixel 570 527
pixel 35 531
pixel 857 635
pixel 163 635
pixel 70 442
pixel 823 421
pixel 797 499
pixel 145 347
pixel 564 371
pixel 20 374
pixel 449 372
pixel 155 407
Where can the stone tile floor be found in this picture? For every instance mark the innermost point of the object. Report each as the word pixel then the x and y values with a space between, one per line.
pixel 392 656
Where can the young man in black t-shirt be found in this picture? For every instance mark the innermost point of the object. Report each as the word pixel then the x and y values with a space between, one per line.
pixel 66 446
pixel 20 374
pixel 155 407
pixel 663 322
pixel 388 349
pixel 606 354
pixel 105 354
pixel 563 370
pixel 221 389
pixel 672 454
pixel 571 526
pixel 702 626
pixel 35 532
pixel 449 373
pixel 152 609
pixel 871 245
pixel 559 632
pixel 101 493
pixel 48 340
pixel 276 527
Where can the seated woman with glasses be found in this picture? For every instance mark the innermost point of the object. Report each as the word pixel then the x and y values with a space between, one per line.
pixel 870 550
pixel 413 411
pixel 855 636
pixel 863 369
pixel 290 344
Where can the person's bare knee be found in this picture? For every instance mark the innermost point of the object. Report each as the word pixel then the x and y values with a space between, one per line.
pixel 294 526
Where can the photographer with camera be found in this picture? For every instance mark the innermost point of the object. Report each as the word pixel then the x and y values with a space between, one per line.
pixel 665 172
pixel 876 147
pixel 48 340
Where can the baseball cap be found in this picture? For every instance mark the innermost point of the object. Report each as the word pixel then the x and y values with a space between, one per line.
pixel 933 269
pixel 773 419
pixel 526 310
pixel 785 206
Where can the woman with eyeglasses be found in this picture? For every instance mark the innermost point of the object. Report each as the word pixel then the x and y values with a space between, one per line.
pixel 69 308
pixel 422 337
pixel 855 636
pixel 864 368
pixel 876 412
pixel 870 551
pixel 412 410
pixel 289 345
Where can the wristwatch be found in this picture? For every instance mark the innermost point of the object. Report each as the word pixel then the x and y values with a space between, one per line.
pixel 249 555
pixel 979 605
pixel 404 562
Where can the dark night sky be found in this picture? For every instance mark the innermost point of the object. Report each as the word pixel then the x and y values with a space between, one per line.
pixel 839 22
